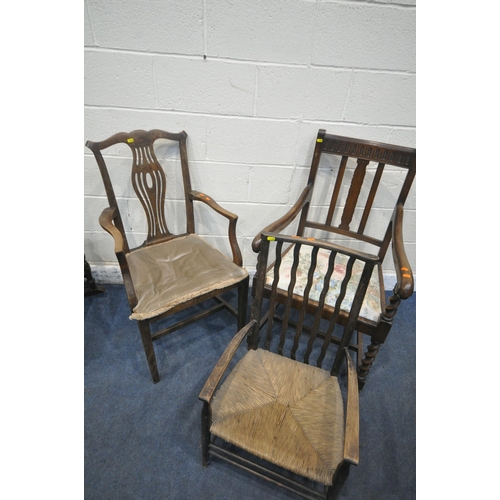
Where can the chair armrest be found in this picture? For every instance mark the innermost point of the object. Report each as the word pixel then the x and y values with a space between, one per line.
pixel 106 222
pixel 351 439
pixel 233 218
pixel 404 274
pixel 287 219
pixel 215 377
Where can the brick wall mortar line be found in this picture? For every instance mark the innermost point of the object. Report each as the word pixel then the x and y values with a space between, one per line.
pixel 89 13
pixel 255 90
pixel 400 6
pixel 251 117
pixel 250 61
pixel 205 49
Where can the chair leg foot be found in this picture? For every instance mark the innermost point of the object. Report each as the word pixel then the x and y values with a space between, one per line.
pixel 147 343
pixel 338 480
pixel 205 434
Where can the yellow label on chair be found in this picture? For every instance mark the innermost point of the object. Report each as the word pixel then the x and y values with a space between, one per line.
pixel 319 140
pixel 130 140
pixel 271 238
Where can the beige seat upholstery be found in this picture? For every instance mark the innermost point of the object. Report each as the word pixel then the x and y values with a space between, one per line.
pixel 170 273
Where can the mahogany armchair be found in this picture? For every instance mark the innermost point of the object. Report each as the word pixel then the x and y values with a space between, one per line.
pixel 347 199
pixel 168 272
pixel 279 413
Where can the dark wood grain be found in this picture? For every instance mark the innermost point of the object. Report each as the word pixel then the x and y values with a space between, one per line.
pixel 271 248
pixel 344 205
pixel 150 185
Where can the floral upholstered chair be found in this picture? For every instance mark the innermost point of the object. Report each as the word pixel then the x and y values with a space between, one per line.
pixel 354 197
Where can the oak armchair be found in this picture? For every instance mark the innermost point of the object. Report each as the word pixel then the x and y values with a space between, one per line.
pixel 168 272
pixel 354 196
pixel 279 413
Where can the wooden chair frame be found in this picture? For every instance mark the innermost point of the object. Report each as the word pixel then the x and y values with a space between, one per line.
pixel 146 170
pixel 212 446
pixel 363 152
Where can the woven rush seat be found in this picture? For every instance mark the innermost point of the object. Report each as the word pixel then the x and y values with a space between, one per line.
pixel 170 273
pixel 371 308
pixel 288 413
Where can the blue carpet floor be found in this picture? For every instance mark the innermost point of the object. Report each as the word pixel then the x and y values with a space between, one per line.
pixel 142 441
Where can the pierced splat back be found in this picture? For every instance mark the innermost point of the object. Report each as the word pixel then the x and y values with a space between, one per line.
pixel 148 179
pixel 364 154
pixel 347 276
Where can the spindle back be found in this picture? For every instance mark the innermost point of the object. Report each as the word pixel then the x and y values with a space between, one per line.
pixel 347 275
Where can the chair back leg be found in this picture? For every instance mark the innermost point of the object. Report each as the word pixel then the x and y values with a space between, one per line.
pixel 242 303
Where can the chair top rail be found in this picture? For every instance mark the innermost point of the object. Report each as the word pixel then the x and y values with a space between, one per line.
pixel 389 154
pixel 136 138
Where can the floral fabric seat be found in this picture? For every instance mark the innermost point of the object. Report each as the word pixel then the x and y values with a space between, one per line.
pixel 371 308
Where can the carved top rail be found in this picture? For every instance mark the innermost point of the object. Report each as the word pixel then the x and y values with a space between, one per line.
pixel 369 150
pixel 148 177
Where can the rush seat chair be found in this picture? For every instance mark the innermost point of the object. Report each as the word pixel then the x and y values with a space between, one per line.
pixel 354 196
pixel 168 272
pixel 278 409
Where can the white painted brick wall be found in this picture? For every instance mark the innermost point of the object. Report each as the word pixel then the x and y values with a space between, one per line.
pixel 275 72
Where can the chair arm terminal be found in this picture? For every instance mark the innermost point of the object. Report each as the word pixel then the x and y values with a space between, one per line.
pixel 351 441
pixel 233 218
pixel 404 274
pixel 106 222
pixel 215 377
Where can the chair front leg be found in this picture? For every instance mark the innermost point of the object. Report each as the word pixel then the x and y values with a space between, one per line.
pixel 205 434
pixel 147 342
pixel 339 479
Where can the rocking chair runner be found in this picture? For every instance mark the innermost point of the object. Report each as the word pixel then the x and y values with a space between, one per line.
pixel 168 272
pixel 284 413
pixel 344 215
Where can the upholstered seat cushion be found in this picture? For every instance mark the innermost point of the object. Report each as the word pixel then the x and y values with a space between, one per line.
pixel 283 411
pixel 371 308
pixel 173 272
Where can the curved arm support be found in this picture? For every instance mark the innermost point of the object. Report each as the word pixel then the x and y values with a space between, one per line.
pixel 287 219
pixel 212 382
pixel 121 248
pixel 106 222
pixel 404 274
pixel 351 440
pixel 233 218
